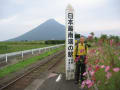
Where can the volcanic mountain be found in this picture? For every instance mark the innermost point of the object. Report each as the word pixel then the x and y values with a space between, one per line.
pixel 49 30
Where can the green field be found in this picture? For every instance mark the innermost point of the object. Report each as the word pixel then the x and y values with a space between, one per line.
pixel 7 47
pixel 24 63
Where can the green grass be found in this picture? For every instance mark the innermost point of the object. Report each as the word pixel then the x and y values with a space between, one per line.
pixel 22 64
pixel 7 47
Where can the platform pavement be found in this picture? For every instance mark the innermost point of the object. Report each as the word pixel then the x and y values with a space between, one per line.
pixel 63 84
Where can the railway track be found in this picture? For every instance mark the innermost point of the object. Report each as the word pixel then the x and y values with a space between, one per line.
pixel 20 83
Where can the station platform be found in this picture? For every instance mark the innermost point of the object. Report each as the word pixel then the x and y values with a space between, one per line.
pixel 62 84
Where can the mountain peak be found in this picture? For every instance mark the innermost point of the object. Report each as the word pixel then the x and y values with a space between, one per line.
pixel 51 21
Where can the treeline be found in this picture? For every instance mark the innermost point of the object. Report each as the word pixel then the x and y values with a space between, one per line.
pixel 21 43
pixel 54 41
pixel 32 42
pixel 104 39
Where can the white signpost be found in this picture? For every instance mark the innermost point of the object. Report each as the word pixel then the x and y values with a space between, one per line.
pixel 70 42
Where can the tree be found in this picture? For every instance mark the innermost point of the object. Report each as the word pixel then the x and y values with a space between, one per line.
pixel 117 39
pixel 92 34
pixel 104 37
pixel 77 36
pixel 96 39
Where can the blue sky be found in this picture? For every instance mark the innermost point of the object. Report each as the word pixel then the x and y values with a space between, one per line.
pixel 20 16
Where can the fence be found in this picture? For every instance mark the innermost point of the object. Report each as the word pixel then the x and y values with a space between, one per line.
pixel 5 57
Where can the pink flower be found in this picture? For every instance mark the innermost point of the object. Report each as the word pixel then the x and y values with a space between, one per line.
pixel 108 75
pixel 102 66
pixel 89 83
pixel 96 62
pixel 89 68
pixel 92 73
pixel 85 73
pixel 83 84
pixel 107 68
pixel 90 37
pixel 99 49
pixel 86 60
pixel 97 67
pixel 92 51
pixel 77 58
pixel 111 42
pixel 116 69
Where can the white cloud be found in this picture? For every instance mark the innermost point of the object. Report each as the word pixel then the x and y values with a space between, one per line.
pixel 86 3
pixel 90 15
pixel 18 1
pixel 8 20
pixel 97 26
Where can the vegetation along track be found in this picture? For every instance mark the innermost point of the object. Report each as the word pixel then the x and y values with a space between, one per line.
pixel 23 81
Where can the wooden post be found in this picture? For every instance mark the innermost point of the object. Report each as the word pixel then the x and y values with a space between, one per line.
pixel 32 51
pixel 6 58
pixel 22 55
